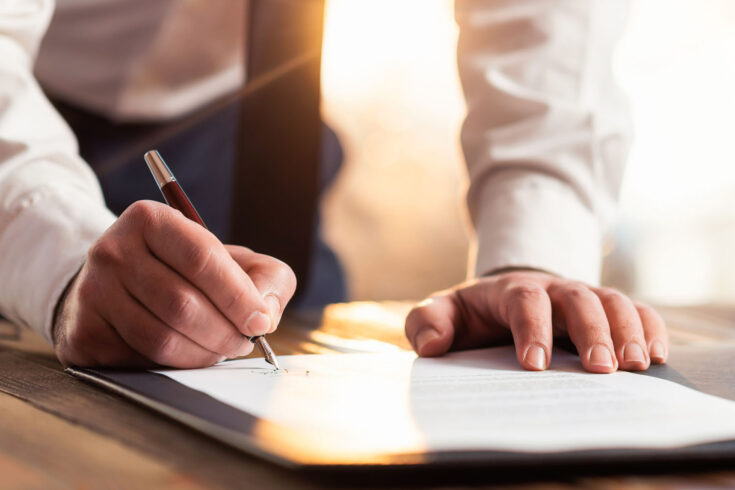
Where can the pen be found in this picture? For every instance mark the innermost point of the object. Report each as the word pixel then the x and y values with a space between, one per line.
pixel 176 198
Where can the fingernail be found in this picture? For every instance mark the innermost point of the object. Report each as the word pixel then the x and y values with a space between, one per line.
pixel 536 357
pixel 274 307
pixel 424 337
pixel 632 352
pixel 600 356
pixel 658 353
pixel 258 324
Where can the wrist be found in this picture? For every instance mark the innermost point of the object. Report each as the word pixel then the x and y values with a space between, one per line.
pixel 59 308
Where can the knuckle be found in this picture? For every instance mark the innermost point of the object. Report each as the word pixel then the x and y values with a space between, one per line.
pixel 276 277
pixel 78 337
pixel 199 258
pixel 142 215
pixel 145 212
pixel 525 293
pixel 105 251
pixel 167 348
pixel 87 290
pixel 577 291
pixel 78 341
pixel 503 281
pixel 233 306
pixel 181 309
pixel 416 318
pixel 613 296
pixel 285 276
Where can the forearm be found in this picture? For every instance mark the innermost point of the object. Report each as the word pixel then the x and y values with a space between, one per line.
pixel 545 136
pixel 51 206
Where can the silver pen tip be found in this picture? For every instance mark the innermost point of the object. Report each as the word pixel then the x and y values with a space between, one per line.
pixel 274 362
pixel 268 354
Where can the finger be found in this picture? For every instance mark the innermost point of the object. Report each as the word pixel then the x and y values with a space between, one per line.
pixel 181 306
pixel 201 259
pixel 83 337
pixel 91 341
pixel 274 279
pixel 463 318
pixel 657 337
pixel 168 295
pixel 150 337
pixel 626 330
pixel 586 322
pixel 526 308
pixel 430 325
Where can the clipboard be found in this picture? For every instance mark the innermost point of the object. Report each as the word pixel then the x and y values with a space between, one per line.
pixel 710 369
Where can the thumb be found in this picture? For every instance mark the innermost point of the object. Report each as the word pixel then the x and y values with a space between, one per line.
pixel 430 325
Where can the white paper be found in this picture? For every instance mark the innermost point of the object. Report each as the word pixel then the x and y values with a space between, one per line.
pixel 473 400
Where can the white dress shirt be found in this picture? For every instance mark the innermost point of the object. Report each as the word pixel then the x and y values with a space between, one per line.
pixel 544 138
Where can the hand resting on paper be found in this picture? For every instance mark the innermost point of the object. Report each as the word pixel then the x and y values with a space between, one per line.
pixel 158 288
pixel 609 330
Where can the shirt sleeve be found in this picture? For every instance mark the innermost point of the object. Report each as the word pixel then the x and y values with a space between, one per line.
pixel 51 205
pixel 545 138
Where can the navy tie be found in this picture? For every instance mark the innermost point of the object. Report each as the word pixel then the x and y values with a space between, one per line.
pixel 276 182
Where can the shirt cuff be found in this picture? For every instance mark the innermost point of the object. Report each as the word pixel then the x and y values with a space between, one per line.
pixel 533 220
pixel 44 245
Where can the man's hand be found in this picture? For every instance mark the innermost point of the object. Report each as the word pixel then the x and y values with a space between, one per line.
pixel 158 288
pixel 609 330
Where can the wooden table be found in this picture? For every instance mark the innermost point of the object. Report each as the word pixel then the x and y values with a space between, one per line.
pixel 58 432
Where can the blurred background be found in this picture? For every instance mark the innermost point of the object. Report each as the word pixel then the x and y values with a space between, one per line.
pixel 396 217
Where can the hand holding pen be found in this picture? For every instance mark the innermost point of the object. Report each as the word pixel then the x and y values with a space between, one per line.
pixel 158 288
pixel 177 199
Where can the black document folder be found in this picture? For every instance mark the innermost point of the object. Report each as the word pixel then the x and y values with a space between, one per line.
pixel 710 369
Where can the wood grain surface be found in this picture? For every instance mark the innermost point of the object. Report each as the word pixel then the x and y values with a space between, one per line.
pixel 58 432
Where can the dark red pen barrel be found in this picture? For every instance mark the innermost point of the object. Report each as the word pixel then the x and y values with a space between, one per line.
pixel 176 198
